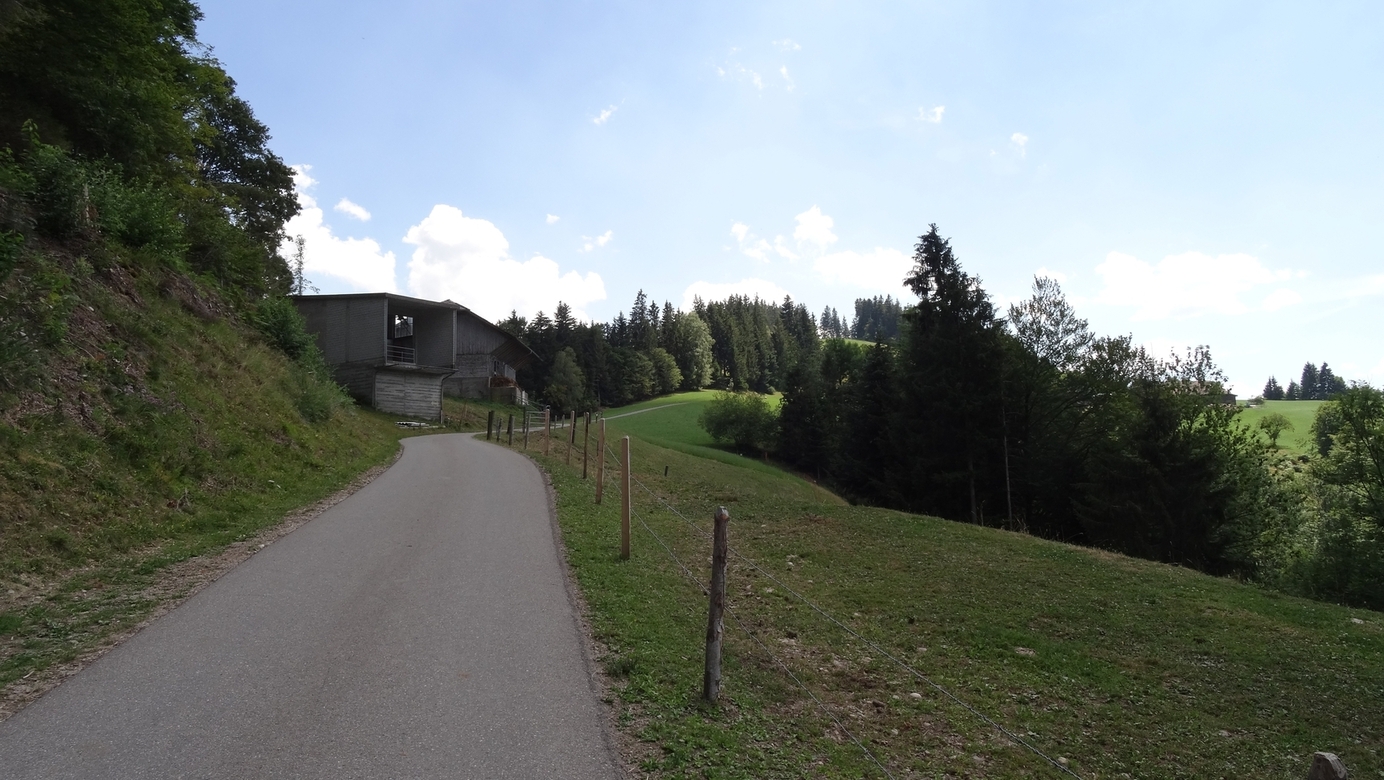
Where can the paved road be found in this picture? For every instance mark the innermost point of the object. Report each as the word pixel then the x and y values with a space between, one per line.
pixel 419 629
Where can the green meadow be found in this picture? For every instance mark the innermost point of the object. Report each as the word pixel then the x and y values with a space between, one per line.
pixel 1300 413
pixel 1107 665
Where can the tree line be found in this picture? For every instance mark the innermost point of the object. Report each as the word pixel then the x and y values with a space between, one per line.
pixel 1315 385
pixel 738 344
pixel 876 319
pixel 1026 419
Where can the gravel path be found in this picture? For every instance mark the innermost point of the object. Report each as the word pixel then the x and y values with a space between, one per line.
pixel 419 629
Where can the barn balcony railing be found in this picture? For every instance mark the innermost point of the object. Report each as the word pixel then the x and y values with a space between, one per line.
pixel 407 355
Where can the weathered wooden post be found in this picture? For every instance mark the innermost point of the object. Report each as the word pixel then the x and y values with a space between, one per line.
pixel 510 430
pixel 625 498
pixel 1326 766
pixel 547 430
pixel 600 461
pixel 526 428
pixel 489 424
pixel 585 443
pixel 571 436
pixel 715 628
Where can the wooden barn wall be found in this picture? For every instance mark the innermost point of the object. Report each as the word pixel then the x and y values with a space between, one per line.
pixel 476 336
pixel 409 394
pixel 432 333
pixel 347 330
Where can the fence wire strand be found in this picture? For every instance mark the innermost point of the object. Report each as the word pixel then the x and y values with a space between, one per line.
pixel 871 644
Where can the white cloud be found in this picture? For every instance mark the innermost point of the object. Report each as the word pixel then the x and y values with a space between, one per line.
pixel 784 71
pixel 758 248
pixel 605 115
pixel 787 44
pixel 739 72
pixel 467 260
pixel 1188 285
pixel 881 269
pixel 589 243
pixel 1020 141
pixel 781 246
pixel 551 218
pixel 331 262
pixel 814 228
pixel 1047 273
pixel 352 209
pixel 934 115
pixel 709 291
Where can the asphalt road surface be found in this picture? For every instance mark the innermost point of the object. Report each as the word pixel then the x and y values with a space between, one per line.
pixel 419 629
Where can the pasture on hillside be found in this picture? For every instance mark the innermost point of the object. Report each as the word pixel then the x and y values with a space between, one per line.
pixel 1299 413
pixel 1107 665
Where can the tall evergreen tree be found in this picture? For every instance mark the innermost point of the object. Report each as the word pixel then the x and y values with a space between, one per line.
pixel 951 366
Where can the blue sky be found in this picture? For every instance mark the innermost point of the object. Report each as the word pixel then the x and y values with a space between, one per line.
pixel 1191 172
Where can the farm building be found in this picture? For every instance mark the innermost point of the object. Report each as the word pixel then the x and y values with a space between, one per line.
pixel 399 354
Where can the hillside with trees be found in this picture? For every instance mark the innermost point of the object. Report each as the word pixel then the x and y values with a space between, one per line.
pixel 737 344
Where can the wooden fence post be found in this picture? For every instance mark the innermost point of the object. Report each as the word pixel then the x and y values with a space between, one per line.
pixel 526 429
pixel 715 628
pixel 585 443
pixel 489 423
pixel 625 498
pixel 572 436
pixel 600 460
pixel 510 430
pixel 547 430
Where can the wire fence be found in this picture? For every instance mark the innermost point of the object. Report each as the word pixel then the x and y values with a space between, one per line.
pixel 824 614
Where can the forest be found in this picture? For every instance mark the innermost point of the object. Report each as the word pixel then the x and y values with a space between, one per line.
pixel 1023 419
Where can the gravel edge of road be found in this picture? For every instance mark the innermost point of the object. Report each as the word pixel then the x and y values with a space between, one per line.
pixel 621 746
pixel 181 581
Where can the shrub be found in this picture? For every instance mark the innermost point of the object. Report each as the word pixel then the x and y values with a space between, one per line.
pixel 278 319
pixel 742 419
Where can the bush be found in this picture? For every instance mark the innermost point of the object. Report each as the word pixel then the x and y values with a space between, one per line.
pixel 278 319
pixel 742 419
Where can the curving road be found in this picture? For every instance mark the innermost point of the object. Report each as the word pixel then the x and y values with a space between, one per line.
pixel 419 629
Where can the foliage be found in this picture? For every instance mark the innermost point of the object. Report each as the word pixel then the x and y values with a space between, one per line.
pixel 657 350
pixel 877 318
pixel 278 319
pixel 144 139
pixel 565 382
pixel 1034 423
pixel 1273 425
pixel 742 419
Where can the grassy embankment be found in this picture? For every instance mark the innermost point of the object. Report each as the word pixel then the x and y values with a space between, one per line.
pixel 1300 413
pixel 159 436
pixel 1119 667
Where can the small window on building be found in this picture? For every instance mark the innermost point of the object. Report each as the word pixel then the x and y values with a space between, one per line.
pixel 403 326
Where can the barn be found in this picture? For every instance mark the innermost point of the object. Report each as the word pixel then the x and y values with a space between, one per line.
pixel 399 354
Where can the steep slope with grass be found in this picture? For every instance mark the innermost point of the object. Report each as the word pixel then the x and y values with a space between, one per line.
pixel 1110 666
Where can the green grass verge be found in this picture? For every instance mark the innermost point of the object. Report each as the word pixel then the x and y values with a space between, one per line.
pixel 1298 439
pixel 1121 667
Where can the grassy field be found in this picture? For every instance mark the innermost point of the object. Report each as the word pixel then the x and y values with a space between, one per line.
pixel 671 423
pixel 1112 666
pixel 1300 413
